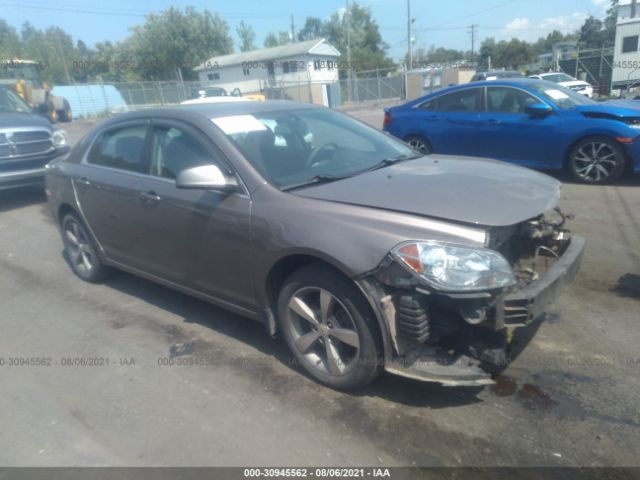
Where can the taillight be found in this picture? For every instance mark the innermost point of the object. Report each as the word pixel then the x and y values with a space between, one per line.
pixel 387 120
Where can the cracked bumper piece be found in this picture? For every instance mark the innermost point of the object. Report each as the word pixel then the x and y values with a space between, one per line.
pixel 525 305
pixel 431 364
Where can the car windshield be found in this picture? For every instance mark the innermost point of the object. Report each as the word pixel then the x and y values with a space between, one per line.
pixel 300 146
pixel 11 102
pixel 558 77
pixel 560 96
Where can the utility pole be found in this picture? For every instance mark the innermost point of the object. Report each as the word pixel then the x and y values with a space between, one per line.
pixel 409 53
pixel 293 31
pixel 472 31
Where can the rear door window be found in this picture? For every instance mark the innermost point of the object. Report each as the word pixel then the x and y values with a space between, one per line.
pixel 468 100
pixel 121 148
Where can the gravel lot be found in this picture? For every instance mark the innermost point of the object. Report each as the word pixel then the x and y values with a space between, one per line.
pixel 571 398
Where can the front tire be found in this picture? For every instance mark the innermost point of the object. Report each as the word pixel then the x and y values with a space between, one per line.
pixel 596 160
pixel 329 327
pixel 80 250
pixel 65 115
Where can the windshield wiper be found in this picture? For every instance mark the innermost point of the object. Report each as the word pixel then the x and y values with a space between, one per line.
pixel 314 181
pixel 385 162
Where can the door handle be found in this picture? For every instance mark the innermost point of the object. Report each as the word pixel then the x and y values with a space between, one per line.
pixel 83 181
pixel 493 121
pixel 150 197
pixel 432 118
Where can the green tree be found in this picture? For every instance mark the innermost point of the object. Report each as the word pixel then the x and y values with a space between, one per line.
pixel 9 41
pixel 274 40
pixel 271 40
pixel 592 33
pixel 545 44
pixel 487 53
pixel 177 39
pixel 506 54
pixel 313 28
pixel 247 36
pixel 52 47
pixel 610 23
pixel 368 50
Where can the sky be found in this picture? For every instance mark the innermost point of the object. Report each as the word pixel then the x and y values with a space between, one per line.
pixel 437 22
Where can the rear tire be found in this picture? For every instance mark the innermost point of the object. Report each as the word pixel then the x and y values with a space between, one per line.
pixel 596 160
pixel 419 144
pixel 80 251
pixel 330 328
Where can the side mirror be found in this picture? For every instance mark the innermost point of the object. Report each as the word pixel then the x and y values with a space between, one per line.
pixel 202 93
pixel 206 177
pixel 538 109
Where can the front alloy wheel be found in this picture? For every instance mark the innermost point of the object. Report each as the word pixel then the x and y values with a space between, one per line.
pixel 323 331
pixel 329 328
pixel 596 161
pixel 419 144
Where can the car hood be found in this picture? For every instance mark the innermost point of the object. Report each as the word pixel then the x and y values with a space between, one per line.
pixel 20 120
pixel 460 189
pixel 613 108
pixel 574 83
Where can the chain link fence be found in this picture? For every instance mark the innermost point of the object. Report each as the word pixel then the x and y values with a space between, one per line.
pixel 102 99
pixel 594 66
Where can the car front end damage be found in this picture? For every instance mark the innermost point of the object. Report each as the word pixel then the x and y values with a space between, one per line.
pixel 462 336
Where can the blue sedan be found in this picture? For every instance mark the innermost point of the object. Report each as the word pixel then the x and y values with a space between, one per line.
pixel 532 123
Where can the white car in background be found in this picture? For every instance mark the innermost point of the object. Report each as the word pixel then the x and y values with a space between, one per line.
pixel 578 86
pixel 221 99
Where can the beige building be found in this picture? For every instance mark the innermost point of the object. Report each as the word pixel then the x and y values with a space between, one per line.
pixel 304 71
pixel 424 81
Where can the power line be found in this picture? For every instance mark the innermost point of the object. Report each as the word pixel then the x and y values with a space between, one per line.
pixel 478 12
pixel 122 12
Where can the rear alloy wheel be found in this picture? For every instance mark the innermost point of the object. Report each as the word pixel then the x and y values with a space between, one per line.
pixel 596 160
pixel 419 144
pixel 329 328
pixel 80 251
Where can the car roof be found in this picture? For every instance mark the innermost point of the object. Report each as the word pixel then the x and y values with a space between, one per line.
pixel 212 110
pixel 498 72
pixel 506 82
pixel 509 82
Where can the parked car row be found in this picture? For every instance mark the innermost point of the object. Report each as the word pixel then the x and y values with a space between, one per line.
pixel 533 123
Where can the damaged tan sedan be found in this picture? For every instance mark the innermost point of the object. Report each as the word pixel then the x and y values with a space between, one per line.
pixel 361 252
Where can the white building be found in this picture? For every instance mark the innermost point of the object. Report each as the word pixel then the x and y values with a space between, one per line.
pixel 305 71
pixel 626 54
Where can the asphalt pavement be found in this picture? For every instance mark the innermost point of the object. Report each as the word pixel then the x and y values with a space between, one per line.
pixel 90 381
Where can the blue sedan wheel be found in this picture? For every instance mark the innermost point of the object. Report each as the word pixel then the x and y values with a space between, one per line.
pixel 596 160
pixel 419 144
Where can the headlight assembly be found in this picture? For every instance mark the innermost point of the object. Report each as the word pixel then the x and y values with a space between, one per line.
pixel 452 267
pixel 59 138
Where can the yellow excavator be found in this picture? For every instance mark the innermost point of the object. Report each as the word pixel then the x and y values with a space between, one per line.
pixel 23 76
